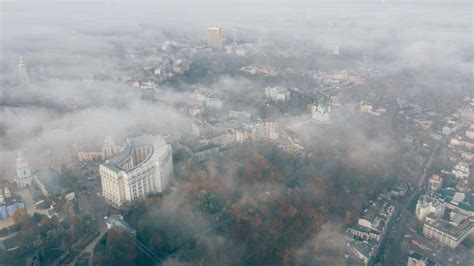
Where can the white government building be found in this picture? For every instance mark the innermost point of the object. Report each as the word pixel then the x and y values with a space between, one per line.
pixel 143 166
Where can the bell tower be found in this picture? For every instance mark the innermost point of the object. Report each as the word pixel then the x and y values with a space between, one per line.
pixel 23 171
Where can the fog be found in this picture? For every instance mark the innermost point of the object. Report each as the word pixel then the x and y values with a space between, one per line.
pixel 79 50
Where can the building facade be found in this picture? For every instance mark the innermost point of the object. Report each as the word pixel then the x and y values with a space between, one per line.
pixel 427 205
pixel 143 166
pixel 109 148
pixel 214 37
pixel 277 94
pixel 450 233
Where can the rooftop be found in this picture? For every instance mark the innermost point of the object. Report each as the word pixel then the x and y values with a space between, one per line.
pixel 451 229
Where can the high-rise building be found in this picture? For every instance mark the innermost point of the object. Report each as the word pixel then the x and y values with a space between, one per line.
pixel 143 166
pixel 214 37
pixel 23 171
pixel 22 69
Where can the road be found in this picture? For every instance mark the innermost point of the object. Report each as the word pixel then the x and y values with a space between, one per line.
pixel 89 248
pixel 396 226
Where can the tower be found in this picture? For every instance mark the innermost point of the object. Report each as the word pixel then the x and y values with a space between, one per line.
pixel 214 37
pixel 22 69
pixel 23 171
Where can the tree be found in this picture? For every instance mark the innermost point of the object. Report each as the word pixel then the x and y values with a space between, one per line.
pixel 20 216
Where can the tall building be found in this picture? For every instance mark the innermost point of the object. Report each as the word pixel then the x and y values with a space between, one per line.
pixel 271 130
pixel 214 37
pixel 23 171
pixel 22 69
pixel 143 166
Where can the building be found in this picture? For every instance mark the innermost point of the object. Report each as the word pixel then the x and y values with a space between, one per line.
pixel 117 222
pixel 23 73
pixel 87 153
pixel 416 259
pixel 9 203
pixel 109 148
pixel 271 130
pixel 365 233
pixel 459 202
pixel 213 103
pixel 225 139
pixel 143 166
pixel 429 205
pixel 322 114
pixel 371 225
pixel 214 37
pixel 363 251
pixel 435 182
pixel 246 132
pixel 201 128
pixel 240 114
pixel 261 70
pixel 23 171
pixel 461 170
pixel 277 94
pixel 450 233
pixel 365 107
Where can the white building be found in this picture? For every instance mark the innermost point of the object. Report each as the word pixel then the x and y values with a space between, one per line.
pixel 23 171
pixel 461 170
pixel 449 232
pixel 143 166
pixel 23 73
pixel 322 114
pixel 277 94
pixel 427 205
pixel 256 131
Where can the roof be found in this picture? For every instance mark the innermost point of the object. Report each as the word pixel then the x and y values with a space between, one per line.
pixel 158 144
pixel 449 196
pixel 455 231
pixel 117 221
pixel 361 228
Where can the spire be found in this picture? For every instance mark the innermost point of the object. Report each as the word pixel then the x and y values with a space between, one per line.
pixel 20 158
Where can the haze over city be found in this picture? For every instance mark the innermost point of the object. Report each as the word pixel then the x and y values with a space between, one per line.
pixel 236 133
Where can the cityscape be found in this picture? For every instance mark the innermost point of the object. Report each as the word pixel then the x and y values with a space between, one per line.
pixel 236 133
